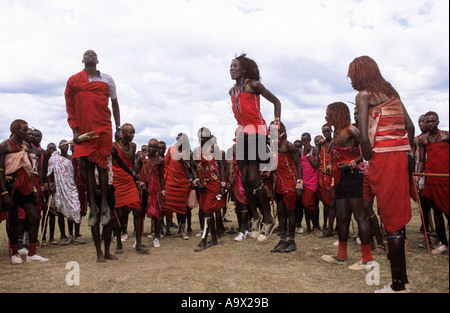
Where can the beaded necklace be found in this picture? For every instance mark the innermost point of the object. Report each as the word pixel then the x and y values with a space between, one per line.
pixel 236 92
pixel 123 148
pixel 18 145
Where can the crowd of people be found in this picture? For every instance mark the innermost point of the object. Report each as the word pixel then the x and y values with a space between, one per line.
pixel 275 184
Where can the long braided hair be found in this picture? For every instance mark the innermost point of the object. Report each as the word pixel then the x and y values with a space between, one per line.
pixel 340 115
pixel 365 75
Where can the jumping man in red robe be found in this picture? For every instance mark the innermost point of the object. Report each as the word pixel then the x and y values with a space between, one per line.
pixel 87 95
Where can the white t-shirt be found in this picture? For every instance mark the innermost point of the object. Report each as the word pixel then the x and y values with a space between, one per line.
pixel 107 79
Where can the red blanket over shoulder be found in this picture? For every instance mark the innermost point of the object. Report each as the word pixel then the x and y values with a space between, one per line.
pixel 126 192
pixel 87 109
pixel 437 188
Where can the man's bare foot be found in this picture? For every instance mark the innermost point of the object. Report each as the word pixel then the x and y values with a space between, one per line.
pixel 142 249
pixel 100 259
pixel 106 216
pixel 93 212
pixel 109 256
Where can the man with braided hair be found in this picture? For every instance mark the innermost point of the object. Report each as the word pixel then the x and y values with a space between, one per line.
pixel 251 137
pixel 387 135
pixel 348 179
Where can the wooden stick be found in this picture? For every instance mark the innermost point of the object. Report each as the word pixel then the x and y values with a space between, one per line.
pixel 430 175
pixel 45 219
pixel 423 220
pixel 84 137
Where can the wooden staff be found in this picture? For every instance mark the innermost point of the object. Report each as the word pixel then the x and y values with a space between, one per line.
pixel 421 211
pixel 423 219
pixel 84 137
pixel 430 175
pixel 45 219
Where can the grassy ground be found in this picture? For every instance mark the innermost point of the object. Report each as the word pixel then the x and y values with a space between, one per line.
pixel 230 267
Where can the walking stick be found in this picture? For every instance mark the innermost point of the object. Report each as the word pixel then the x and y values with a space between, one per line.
pixel 423 219
pixel 45 219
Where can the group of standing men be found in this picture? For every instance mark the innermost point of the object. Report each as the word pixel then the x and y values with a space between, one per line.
pixel 383 137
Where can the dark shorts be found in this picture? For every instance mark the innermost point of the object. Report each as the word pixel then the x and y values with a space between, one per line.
pixel 350 185
pixel 251 149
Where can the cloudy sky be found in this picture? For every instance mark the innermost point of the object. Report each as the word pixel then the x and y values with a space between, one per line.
pixel 170 59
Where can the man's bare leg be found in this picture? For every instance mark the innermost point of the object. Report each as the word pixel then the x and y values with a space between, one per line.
pixel 95 231
pixel 138 216
pixel 253 180
pixel 103 181
pixel 87 169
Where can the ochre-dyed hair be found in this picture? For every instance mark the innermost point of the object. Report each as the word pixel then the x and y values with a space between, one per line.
pixel 16 125
pixel 365 75
pixel 250 67
pixel 339 114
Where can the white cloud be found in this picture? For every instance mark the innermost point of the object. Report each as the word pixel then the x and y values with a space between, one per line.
pixel 170 59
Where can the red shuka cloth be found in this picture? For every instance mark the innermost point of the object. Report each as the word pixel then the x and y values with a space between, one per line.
pixel 209 173
pixel 237 188
pixel 126 192
pixel 154 200
pixel 389 179
pixel 287 180
pixel 324 179
pixel 87 109
pixel 247 111
pixel 176 184
pixel 437 188
pixel 207 199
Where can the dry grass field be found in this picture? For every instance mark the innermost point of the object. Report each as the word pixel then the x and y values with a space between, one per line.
pixel 230 267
